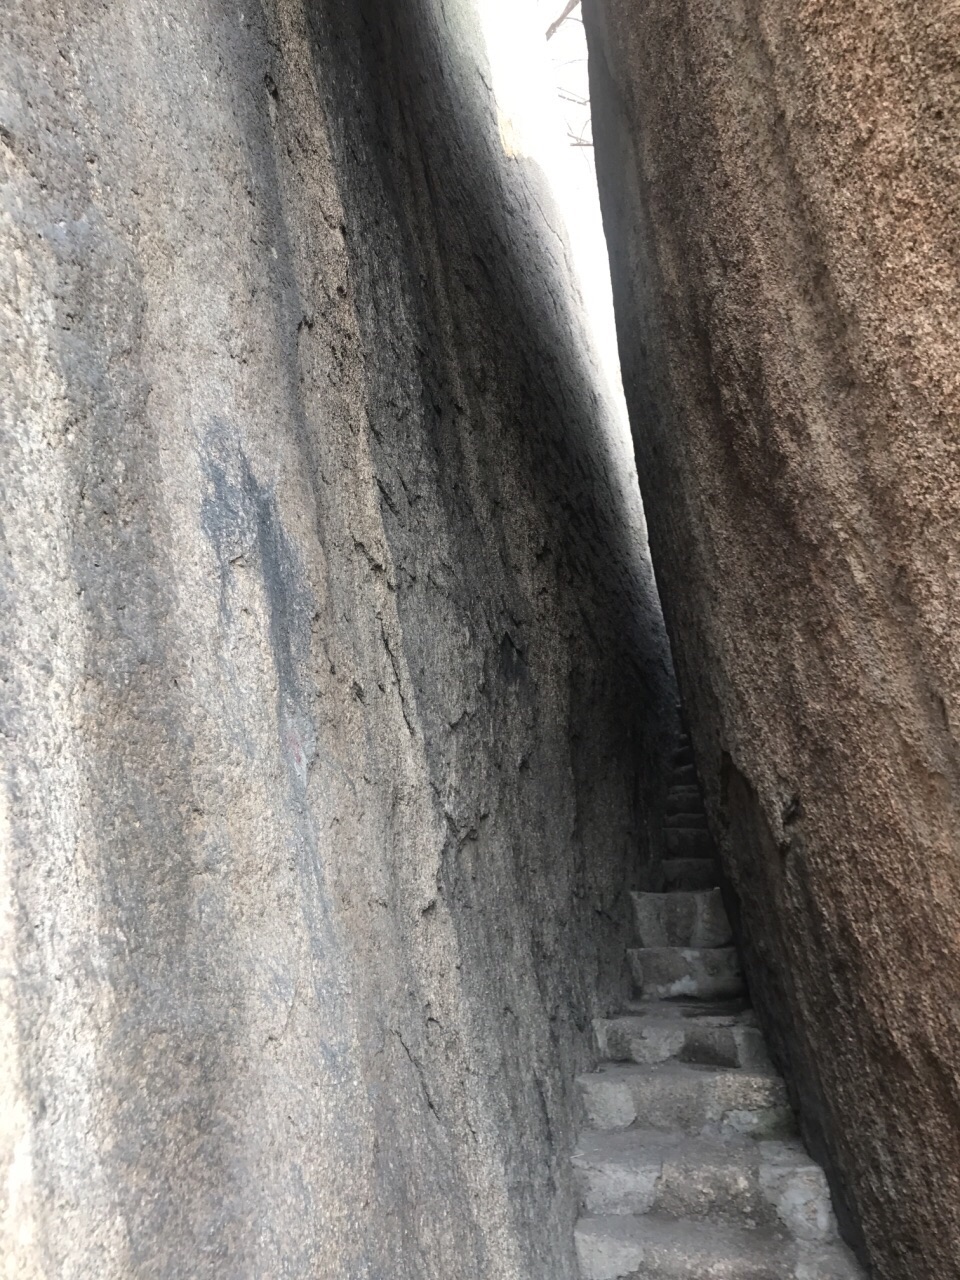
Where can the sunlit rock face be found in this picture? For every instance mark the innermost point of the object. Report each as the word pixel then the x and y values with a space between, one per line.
pixel 779 187
pixel 332 673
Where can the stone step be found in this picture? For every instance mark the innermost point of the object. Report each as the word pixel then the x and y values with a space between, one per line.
pixel 684 799
pixel 666 973
pixel 690 821
pixel 683 754
pixel 736 1006
pixel 690 873
pixel 653 1248
pixel 689 1033
pixel 737 1180
pixel 689 1098
pixel 684 843
pixel 695 918
pixel 683 775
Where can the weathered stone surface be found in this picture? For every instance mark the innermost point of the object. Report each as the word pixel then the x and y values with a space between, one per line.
pixel 690 873
pixel 613 1247
pixel 689 1031
pixel 728 1179
pixel 779 185
pixel 665 973
pixel 328 649
pixel 692 919
pixel 675 1095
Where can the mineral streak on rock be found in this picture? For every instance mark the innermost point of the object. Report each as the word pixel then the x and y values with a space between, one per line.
pixel 779 184
pixel 332 669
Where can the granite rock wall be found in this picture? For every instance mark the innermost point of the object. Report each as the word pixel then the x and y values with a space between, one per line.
pixel 332 668
pixel 779 184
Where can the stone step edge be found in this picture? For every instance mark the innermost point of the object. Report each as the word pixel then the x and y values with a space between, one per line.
pixel 648 1039
pixel 777 1173
pixel 699 916
pixel 668 973
pixel 617 1247
pixel 681 875
pixel 746 1101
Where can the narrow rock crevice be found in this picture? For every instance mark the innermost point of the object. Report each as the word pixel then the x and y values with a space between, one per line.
pixel 690 1164
pixel 335 685
pixel 778 186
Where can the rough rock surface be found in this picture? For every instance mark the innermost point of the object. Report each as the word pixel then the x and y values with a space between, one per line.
pixel 329 654
pixel 780 186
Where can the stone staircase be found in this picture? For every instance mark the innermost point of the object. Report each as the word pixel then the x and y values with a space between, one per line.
pixel 689 1167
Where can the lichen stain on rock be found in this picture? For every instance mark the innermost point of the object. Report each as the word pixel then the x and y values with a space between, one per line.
pixel 241 521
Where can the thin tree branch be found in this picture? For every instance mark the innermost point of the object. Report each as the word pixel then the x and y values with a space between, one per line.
pixel 554 27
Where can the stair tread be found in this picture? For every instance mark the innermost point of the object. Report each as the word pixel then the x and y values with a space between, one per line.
pixel 687 1096
pixel 682 775
pixel 648 1013
pixel 719 1012
pixel 681 1071
pixel 683 788
pixel 692 951
pixel 687 820
pixel 666 973
pixel 706 1177
pixel 695 843
pixel 684 797
pixel 690 873
pixel 681 897
pixel 617 1247
pixel 640 1147
pixel 659 1030
pixel 681 917
pixel 676 893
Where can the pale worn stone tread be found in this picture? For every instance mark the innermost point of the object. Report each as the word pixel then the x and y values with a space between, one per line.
pixel 738 1008
pixel 658 1034
pixel 655 1248
pixel 720 1178
pixel 667 973
pixel 681 918
pixel 687 821
pixel 687 1097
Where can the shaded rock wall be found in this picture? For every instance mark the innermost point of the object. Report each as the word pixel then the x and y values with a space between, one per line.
pixel 332 671
pixel 779 186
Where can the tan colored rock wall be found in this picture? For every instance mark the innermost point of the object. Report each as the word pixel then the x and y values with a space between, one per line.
pixel 780 187
pixel 331 666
